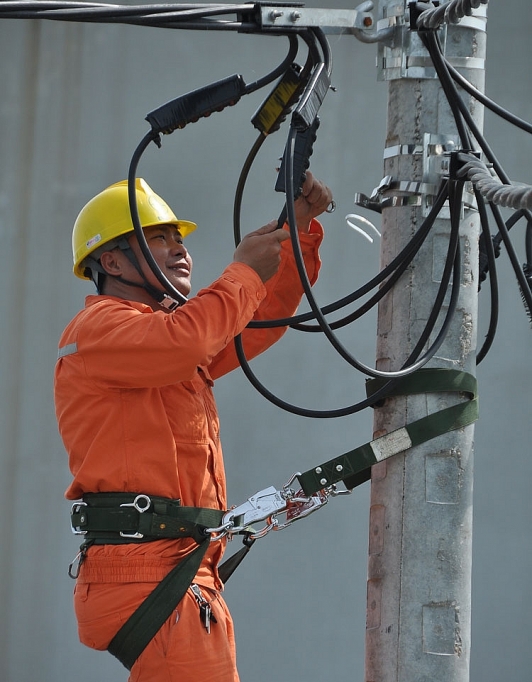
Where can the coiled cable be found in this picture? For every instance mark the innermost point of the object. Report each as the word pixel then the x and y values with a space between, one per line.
pixel 448 13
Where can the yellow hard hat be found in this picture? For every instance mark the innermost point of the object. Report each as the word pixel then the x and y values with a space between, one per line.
pixel 107 217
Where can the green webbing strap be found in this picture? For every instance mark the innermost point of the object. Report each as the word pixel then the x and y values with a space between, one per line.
pixel 353 467
pixel 229 566
pixel 105 516
pixel 135 635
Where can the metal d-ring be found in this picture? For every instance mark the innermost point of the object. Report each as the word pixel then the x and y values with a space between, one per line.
pixel 141 509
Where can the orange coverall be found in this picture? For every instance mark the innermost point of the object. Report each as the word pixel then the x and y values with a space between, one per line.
pixel 136 412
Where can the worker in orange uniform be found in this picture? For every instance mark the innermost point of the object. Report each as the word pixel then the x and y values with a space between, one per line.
pixel 136 412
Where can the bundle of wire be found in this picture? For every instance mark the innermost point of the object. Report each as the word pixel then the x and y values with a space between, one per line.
pixel 306 89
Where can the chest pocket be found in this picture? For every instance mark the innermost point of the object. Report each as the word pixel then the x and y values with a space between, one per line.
pixel 191 410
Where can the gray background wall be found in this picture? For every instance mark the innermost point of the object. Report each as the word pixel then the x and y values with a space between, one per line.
pixel 72 111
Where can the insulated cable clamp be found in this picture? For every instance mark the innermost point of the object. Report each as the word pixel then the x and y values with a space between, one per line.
pixel 197 104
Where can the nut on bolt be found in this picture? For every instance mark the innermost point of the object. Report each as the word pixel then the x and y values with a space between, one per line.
pixel 276 14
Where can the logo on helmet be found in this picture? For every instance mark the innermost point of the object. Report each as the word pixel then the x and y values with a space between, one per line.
pixel 93 240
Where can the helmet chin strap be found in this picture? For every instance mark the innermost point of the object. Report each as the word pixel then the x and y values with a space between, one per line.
pixel 163 299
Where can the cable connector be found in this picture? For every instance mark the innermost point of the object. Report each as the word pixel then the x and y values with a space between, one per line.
pixel 415 11
pixel 527 271
pixel 197 104
pixel 483 260
pixel 459 159
pixel 303 149
pixel 276 107
pixel 312 99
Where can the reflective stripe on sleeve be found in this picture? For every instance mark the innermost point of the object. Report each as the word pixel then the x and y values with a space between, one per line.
pixel 70 349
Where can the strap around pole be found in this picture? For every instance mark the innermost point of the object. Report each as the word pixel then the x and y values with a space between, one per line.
pixel 351 467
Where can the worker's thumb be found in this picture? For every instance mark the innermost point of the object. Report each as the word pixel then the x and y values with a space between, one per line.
pixel 265 229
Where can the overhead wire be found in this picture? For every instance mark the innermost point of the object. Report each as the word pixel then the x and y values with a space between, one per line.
pixel 403 257
pixel 333 339
pixel 486 101
pixel 458 103
pixel 449 12
pixel 323 325
pixel 215 16
pixel 190 16
pixel 493 279
pixel 453 252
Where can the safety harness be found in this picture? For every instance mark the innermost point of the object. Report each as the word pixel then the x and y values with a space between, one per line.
pixel 118 518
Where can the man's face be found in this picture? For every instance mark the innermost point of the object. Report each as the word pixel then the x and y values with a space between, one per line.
pixel 170 254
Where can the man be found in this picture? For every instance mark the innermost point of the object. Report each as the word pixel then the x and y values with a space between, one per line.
pixel 135 409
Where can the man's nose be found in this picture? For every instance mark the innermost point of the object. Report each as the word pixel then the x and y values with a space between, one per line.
pixel 179 248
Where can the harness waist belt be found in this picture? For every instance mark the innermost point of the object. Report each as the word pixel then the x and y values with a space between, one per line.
pixel 130 517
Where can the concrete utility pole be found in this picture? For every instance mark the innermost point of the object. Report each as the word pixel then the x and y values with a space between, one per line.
pixel 419 569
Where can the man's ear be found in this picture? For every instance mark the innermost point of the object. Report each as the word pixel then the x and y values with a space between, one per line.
pixel 112 262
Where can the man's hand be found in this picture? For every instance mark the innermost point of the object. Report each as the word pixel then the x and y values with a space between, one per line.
pixel 261 250
pixel 314 200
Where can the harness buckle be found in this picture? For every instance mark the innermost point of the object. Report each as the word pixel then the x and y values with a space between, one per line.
pixel 141 503
pixel 76 509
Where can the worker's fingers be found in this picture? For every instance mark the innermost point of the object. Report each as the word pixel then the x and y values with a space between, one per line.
pixel 261 250
pixel 318 195
pixel 265 229
pixel 308 183
pixel 271 229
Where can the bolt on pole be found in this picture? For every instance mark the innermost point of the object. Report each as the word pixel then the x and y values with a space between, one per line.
pixel 418 626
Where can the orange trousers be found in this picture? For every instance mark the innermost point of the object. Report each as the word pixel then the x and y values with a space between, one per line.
pixel 182 650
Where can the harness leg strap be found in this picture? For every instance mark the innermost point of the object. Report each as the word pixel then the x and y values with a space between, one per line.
pixel 137 632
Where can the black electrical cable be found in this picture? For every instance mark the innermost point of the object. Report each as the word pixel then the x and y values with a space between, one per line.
pixel 453 255
pixel 518 271
pixel 240 350
pixel 80 11
pixel 139 233
pixel 244 173
pixel 430 40
pixel 301 411
pixel 310 297
pixel 237 204
pixel 435 49
pixel 436 54
pixel 524 286
pixel 157 16
pixel 325 48
pixel 279 70
pixel 310 38
pixel 528 242
pixel 527 296
pixel 394 270
pixel 452 266
pixel 487 102
pixel 494 287
pixel 405 255
pixel 375 397
pixel 398 264
pixel 238 200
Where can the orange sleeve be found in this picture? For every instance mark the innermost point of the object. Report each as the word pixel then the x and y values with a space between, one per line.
pixel 284 291
pixel 131 346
